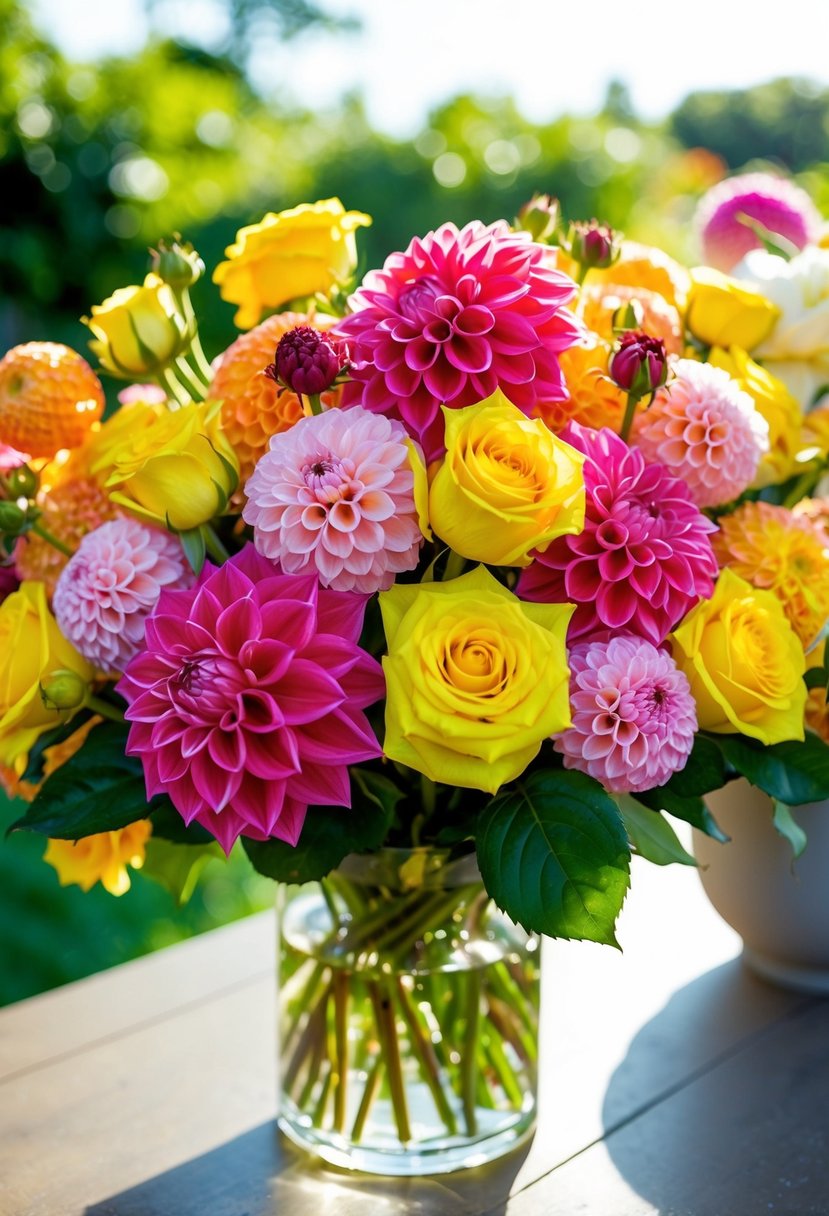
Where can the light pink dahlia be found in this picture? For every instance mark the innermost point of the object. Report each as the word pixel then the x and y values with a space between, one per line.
pixel 456 316
pixel 634 718
pixel 644 557
pixel 707 430
pixel 107 590
pixel 246 703
pixel 774 202
pixel 334 496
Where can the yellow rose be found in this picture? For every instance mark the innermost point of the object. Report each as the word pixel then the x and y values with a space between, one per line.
pixel 288 256
pixel 138 330
pixel 31 647
pixel 102 858
pixel 172 468
pixel 744 663
pixel 506 485
pixel 475 679
pixel 723 312
pixel 777 405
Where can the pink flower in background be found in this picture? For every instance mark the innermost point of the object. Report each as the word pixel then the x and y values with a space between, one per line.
pixel 774 202
pixel 149 394
pixel 246 703
pixel 10 458
pixel 456 316
pixel 112 583
pixel 707 431
pixel 334 497
pixel 644 557
pixel 634 718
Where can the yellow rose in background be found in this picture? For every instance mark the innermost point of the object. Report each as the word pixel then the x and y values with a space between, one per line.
pixel 476 679
pixel 723 312
pixel 31 647
pixel 506 485
pixel 289 255
pixel 138 330
pixel 172 468
pixel 744 663
pixel 777 405
pixel 102 858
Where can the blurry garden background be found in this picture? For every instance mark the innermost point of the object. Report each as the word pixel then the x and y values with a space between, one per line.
pixel 123 123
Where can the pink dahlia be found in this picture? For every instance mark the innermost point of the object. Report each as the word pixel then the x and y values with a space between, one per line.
pixel 107 590
pixel 644 557
pixel 334 496
pixel 634 718
pixel 246 703
pixel 456 316
pixel 773 202
pixel 707 430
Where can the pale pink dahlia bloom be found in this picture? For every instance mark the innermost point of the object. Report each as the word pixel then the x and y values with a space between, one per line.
pixel 247 701
pixel 107 590
pixel 456 316
pixel 644 557
pixel 634 718
pixel 334 497
pixel 774 202
pixel 707 431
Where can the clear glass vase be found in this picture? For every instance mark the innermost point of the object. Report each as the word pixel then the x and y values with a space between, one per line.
pixel 407 1016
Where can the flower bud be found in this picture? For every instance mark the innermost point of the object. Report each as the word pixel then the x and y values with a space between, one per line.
pixel 139 330
pixel 539 217
pixel 22 482
pixel 307 361
pixel 177 264
pixel 12 518
pixel 593 245
pixel 639 364
pixel 63 689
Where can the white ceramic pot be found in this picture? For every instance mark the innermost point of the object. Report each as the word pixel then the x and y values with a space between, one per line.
pixel 780 907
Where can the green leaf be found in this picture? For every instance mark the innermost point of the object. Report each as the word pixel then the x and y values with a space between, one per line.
pixel 784 822
pixel 330 833
pixel 816 677
pixel 689 810
pixel 169 825
pixel 33 772
pixel 553 854
pixel 772 242
pixel 651 836
pixel 704 771
pixel 793 772
pixel 177 867
pixel 194 544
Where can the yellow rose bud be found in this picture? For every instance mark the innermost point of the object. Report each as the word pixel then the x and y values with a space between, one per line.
pixel 102 858
pixel 172 468
pixel 777 405
pixel 744 663
pixel 138 330
pixel 506 485
pixel 723 312
pixel 31 647
pixel 288 256
pixel 476 679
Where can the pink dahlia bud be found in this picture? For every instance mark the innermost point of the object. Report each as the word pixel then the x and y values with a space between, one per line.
pixel 726 215
pixel 539 217
pixel 639 364
pixel 593 245
pixel 307 361
pixel 111 585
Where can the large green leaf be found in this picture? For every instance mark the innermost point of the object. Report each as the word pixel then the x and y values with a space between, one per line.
pixel 553 853
pixel 650 834
pixel 793 772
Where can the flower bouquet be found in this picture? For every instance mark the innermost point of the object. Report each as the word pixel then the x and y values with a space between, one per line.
pixel 439 594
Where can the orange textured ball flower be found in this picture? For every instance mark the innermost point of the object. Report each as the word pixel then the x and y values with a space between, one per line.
pixel 49 398
pixel 594 400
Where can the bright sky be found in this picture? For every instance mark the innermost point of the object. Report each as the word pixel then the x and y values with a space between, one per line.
pixel 551 57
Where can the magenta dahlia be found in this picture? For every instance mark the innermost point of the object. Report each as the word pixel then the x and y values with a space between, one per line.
pixel 246 703
pixel 334 496
pixel 634 718
pixel 775 203
pixel 458 315
pixel 110 586
pixel 644 557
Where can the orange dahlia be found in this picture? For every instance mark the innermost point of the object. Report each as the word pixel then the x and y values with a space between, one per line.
pixel 787 554
pixel 599 301
pixel 594 399
pixel 49 398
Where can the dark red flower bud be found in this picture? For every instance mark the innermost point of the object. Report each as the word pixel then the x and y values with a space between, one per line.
pixel 539 217
pixel 639 365
pixel 307 361
pixel 593 245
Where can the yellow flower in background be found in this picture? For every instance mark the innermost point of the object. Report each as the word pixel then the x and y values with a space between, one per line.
pixel 723 312
pixel 138 331
pixel 287 256
pixel 102 858
pixel 506 485
pixel 53 758
pixel 476 679
pixel 744 663
pixel 31 647
pixel 777 405
pixel 171 468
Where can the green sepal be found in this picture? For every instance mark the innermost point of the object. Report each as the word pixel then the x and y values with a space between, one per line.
pixel 194 544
